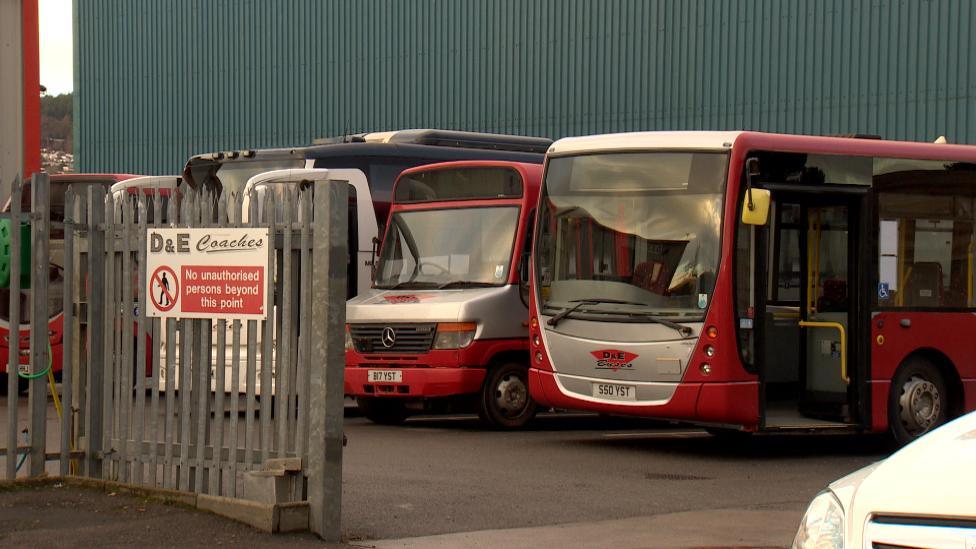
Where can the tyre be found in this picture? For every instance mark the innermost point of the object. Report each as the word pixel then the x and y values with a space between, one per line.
pixel 918 401
pixel 385 411
pixel 505 402
pixel 22 384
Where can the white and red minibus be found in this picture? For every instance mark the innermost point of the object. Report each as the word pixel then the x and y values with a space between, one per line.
pixel 752 282
pixel 445 325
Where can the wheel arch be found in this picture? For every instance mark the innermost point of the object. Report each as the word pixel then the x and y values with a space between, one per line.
pixel 511 355
pixel 949 372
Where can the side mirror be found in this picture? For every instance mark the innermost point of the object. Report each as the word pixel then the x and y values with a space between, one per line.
pixel 372 260
pixel 756 210
pixel 755 207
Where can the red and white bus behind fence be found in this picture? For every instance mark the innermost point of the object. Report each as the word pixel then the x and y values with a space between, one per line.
pixel 80 183
pixel 445 326
pixel 756 282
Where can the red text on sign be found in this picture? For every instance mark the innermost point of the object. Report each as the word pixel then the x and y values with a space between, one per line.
pixel 222 289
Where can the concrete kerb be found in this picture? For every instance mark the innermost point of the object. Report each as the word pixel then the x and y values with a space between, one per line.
pixel 277 517
pixel 272 518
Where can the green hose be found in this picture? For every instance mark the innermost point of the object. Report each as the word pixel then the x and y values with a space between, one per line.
pixel 46 370
pixel 57 404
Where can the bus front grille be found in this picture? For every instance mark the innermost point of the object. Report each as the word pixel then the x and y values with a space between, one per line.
pixel 392 338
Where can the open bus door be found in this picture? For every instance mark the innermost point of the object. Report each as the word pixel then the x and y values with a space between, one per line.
pixel 808 309
pixel 828 311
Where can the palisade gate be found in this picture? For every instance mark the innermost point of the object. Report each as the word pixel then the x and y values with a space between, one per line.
pixel 233 405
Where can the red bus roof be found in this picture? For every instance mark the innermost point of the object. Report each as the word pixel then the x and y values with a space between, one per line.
pixel 854 146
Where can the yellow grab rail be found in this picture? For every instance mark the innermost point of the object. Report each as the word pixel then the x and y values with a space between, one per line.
pixel 843 342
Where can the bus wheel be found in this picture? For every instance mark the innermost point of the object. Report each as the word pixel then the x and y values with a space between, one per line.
pixel 505 400
pixel 918 401
pixel 385 411
pixel 22 384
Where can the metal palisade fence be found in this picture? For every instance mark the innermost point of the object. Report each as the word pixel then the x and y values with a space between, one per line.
pixel 192 404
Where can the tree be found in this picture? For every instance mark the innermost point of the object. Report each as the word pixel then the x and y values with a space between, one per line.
pixel 56 121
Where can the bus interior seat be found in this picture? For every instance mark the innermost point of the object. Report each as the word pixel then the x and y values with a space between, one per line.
pixel 834 296
pixel 924 285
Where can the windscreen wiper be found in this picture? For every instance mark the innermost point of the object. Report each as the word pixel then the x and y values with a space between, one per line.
pixel 685 331
pixel 477 283
pixel 580 302
pixel 566 312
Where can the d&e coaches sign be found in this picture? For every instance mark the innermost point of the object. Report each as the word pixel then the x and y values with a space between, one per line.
pixel 207 273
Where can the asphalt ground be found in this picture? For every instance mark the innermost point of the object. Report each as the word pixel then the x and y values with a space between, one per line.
pixel 597 479
pixel 439 475
pixel 66 516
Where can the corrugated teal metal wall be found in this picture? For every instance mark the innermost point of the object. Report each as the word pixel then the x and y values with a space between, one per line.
pixel 159 80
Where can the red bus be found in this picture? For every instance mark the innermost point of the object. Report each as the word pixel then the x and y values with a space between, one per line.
pixel 757 282
pixel 445 325
pixel 59 186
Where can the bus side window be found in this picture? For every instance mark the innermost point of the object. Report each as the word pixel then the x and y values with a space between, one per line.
pixel 926 240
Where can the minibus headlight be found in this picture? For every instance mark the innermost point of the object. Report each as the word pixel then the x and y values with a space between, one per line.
pixel 454 335
pixel 822 525
pixel 349 344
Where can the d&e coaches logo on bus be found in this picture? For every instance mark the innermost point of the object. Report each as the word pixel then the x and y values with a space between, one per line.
pixel 614 359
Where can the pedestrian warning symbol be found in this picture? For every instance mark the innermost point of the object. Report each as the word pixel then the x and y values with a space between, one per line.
pixel 207 273
pixel 164 288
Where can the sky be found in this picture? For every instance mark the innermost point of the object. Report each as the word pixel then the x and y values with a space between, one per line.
pixel 54 17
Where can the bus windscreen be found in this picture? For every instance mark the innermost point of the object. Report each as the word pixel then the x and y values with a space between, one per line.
pixel 641 228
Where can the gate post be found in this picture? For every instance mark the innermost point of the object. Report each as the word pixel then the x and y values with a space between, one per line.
pixel 327 359
pixel 95 295
pixel 40 346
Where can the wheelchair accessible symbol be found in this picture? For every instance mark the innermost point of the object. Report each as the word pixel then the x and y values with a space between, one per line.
pixel 883 291
pixel 164 287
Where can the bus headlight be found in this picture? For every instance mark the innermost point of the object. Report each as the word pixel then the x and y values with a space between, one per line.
pixel 822 525
pixel 349 344
pixel 454 335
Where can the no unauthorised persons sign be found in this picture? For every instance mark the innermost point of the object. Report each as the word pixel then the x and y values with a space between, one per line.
pixel 207 273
